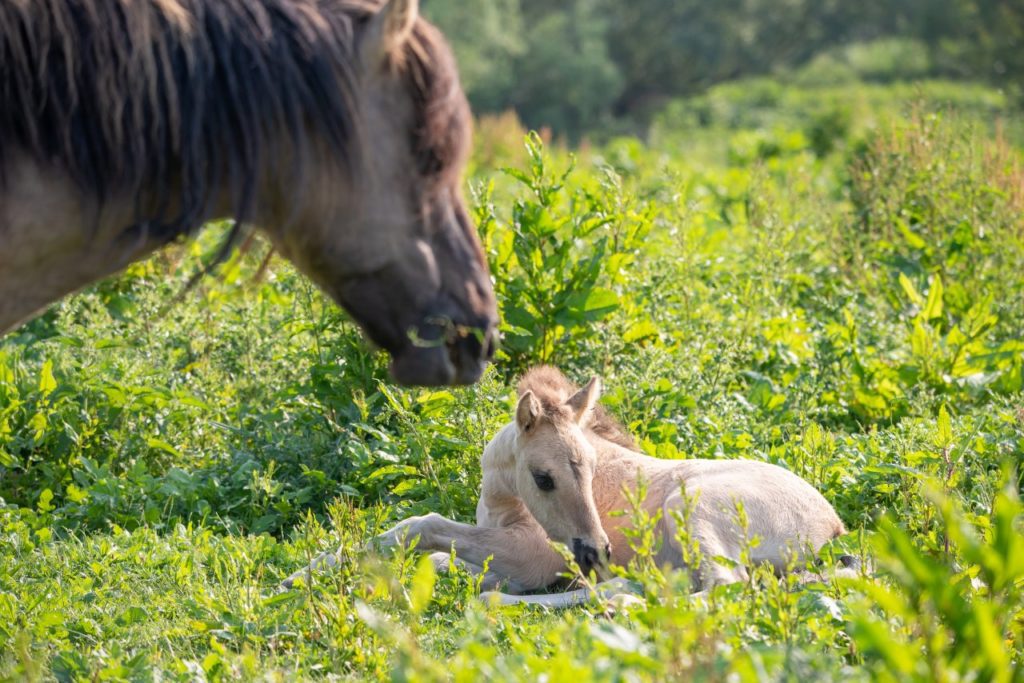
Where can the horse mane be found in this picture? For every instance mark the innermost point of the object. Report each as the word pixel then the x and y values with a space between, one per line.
pixel 553 389
pixel 167 101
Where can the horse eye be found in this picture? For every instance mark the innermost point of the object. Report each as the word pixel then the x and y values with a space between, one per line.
pixel 544 481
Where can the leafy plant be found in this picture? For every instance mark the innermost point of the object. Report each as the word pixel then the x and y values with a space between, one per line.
pixel 561 252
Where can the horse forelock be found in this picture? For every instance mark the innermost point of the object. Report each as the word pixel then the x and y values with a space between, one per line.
pixel 553 389
pixel 442 114
pixel 178 99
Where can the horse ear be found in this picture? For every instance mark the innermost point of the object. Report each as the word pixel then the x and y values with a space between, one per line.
pixel 528 411
pixel 585 399
pixel 388 30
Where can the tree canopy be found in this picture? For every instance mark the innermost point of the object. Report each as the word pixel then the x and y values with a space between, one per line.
pixel 576 65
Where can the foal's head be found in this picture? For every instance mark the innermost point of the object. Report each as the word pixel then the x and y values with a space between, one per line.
pixel 555 465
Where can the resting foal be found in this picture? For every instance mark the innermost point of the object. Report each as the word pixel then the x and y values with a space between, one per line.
pixel 558 471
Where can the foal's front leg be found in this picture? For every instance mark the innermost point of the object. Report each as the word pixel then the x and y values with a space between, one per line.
pixel 518 553
pixel 402 532
pixel 489 581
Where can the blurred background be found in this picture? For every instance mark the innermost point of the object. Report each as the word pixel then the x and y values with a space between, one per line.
pixel 586 68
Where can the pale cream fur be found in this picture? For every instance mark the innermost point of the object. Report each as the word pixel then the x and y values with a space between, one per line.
pixel 516 520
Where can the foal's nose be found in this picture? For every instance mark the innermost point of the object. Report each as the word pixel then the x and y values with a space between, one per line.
pixel 587 556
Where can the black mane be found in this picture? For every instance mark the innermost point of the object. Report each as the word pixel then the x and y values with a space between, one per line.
pixel 170 101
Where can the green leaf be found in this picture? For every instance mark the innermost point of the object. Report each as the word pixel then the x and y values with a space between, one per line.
pixel 922 340
pixel 162 445
pixel 46 381
pixel 422 590
pixel 133 615
pixel 594 305
pixel 914 240
pixel 875 637
pixel 115 395
pixel 389 470
pixel 435 402
pixel 911 290
pixel 933 307
pixel 75 494
pixel 641 330
pixel 944 430
pixel 394 400
pixel 404 487
pixel 45 498
pixel 278 598
pixel 38 423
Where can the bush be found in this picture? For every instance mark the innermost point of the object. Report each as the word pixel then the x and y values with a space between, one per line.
pixel 562 254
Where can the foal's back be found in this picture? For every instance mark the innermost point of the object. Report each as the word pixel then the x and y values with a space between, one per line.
pixel 771 494
pixel 787 516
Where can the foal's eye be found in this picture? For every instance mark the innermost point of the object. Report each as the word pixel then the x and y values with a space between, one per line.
pixel 544 481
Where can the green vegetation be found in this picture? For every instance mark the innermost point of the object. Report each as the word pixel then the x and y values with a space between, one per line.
pixel 827 278
pixel 591 67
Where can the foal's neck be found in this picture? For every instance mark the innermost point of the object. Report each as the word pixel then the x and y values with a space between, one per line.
pixel 618 467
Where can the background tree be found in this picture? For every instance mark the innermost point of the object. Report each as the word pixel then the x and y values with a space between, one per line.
pixel 576 65
pixel 487 36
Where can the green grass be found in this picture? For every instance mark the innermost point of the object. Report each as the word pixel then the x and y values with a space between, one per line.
pixel 839 293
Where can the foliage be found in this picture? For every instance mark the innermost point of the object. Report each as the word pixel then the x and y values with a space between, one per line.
pixel 551 65
pixel 488 37
pixel 846 303
pixel 593 67
pixel 962 609
pixel 561 251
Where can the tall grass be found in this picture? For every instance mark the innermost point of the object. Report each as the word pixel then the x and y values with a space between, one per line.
pixel 847 303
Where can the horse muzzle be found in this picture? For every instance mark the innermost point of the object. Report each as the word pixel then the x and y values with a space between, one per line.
pixel 457 357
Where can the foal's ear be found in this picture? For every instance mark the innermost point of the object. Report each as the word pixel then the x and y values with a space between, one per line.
pixel 527 412
pixel 585 399
pixel 387 31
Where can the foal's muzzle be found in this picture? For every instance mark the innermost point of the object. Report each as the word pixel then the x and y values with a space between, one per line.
pixel 588 557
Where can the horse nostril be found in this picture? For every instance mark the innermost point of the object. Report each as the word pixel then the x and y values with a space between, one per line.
pixel 467 354
pixel 579 552
pixel 586 555
pixel 490 343
pixel 608 551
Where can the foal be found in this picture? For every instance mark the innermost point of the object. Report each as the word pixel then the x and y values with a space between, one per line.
pixel 558 471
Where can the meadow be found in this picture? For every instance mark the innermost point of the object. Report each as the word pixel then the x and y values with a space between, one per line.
pixel 830 278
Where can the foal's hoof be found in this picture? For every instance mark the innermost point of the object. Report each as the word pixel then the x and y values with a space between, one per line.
pixel 321 561
pixel 848 562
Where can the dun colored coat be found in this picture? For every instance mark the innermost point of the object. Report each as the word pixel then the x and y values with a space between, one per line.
pixel 558 472
pixel 337 127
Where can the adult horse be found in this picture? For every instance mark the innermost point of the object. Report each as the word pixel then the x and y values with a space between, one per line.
pixel 337 127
